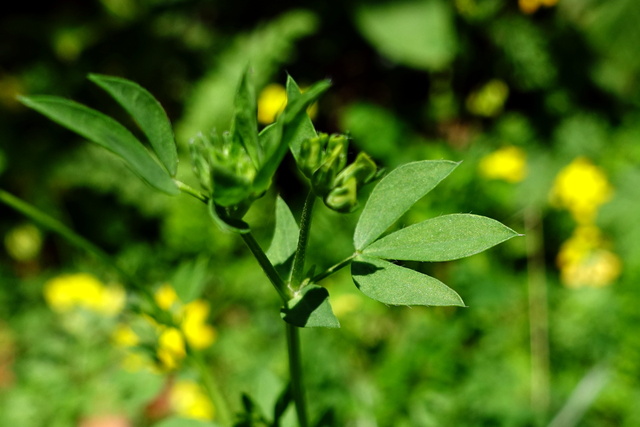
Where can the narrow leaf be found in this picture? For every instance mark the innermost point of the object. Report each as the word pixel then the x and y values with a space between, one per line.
pixel 108 133
pixel 244 128
pixel 443 238
pixel 391 284
pixel 310 309
pixel 147 112
pixel 301 126
pixel 279 135
pixel 285 239
pixel 395 194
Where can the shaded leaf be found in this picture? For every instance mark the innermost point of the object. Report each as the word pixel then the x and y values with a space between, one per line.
pixel 190 278
pixel 301 126
pixel 443 238
pixel 147 112
pixel 282 404
pixel 391 284
pixel 244 128
pixel 285 239
pixel 395 194
pixel 108 133
pixel 310 309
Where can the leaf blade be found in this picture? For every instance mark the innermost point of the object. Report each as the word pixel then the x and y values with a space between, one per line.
pixel 392 284
pixel 244 128
pixel 104 131
pixel 147 112
pixel 395 194
pixel 443 238
pixel 285 239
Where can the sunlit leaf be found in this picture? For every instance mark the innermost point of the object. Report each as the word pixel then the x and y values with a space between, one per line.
pixel 310 309
pixel 395 194
pixel 108 133
pixel 147 112
pixel 285 239
pixel 443 238
pixel 392 284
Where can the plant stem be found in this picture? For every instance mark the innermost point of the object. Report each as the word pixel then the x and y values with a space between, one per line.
pixel 266 265
pixel 297 271
pixel 212 389
pixel 334 268
pixel 295 372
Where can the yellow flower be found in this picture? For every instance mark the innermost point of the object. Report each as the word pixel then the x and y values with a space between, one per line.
pixel 199 335
pixel 581 188
pixel 507 163
pixel 189 400
pixel 271 102
pixel 530 6
pixel 171 348
pixel 124 336
pixel 70 291
pixel 585 260
pixel 165 297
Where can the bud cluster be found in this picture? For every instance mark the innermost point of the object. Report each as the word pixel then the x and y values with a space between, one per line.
pixel 225 170
pixel 323 159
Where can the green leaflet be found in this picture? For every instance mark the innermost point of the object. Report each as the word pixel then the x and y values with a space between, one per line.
pixel 108 133
pixel 244 129
pixel 310 309
pixel 443 238
pixel 285 239
pixel 147 112
pixel 395 194
pixel 391 284
pixel 302 127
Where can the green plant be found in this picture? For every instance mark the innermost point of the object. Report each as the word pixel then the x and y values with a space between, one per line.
pixel 237 167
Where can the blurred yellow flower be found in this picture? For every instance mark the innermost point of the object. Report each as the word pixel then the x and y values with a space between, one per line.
pixel 271 102
pixel 171 348
pixel 165 297
pixel 190 401
pixel 23 243
pixel 581 188
pixel 82 290
pixel 585 259
pixel 124 336
pixel 507 163
pixel 530 6
pixel 199 335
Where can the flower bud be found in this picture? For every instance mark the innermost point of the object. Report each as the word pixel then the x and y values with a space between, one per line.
pixel 343 198
pixel 312 153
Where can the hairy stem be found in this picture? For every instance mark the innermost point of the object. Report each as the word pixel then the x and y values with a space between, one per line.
pixel 297 272
pixel 295 372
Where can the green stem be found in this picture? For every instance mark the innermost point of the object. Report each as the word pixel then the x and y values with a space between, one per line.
pixel 297 271
pixel 266 265
pixel 223 414
pixel 65 232
pixel 295 372
pixel 334 268
pixel 185 188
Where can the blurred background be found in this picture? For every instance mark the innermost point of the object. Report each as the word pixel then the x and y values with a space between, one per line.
pixel 539 99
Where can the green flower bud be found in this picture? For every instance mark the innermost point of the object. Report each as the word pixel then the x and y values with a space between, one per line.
pixel 363 169
pixel 343 198
pixel 323 179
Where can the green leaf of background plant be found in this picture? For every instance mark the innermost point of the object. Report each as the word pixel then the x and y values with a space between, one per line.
pixel 108 133
pixel 147 112
pixel 443 238
pixel 392 284
pixel 395 194
pixel 244 128
pixel 190 278
pixel 419 34
pixel 285 239
pixel 310 309
pixel 284 129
